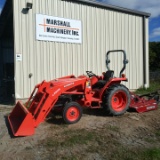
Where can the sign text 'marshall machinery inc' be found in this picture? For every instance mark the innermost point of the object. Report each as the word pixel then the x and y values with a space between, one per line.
pixel 58 29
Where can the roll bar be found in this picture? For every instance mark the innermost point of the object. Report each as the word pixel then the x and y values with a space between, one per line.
pixel 125 61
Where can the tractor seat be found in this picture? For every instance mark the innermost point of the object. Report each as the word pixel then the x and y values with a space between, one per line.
pixel 107 76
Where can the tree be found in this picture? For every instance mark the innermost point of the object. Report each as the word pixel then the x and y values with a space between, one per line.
pixel 154 56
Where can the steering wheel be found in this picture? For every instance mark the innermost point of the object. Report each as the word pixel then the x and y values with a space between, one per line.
pixel 90 74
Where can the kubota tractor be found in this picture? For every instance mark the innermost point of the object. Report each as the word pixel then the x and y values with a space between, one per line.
pixel 69 94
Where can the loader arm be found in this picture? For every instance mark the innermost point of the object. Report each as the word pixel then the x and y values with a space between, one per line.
pixel 42 100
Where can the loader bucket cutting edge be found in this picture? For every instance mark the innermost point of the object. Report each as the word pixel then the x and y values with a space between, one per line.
pixel 21 121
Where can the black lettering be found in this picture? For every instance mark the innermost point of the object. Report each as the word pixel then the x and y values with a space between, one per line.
pixel 54 30
pixel 68 24
pixel 48 29
pixel 58 23
pixel 48 21
pixel 51 22
pixel 65 23
pixel 75 33
pixel 55 22
pixel 61 31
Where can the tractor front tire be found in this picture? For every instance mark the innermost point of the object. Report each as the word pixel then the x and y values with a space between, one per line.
pixel 117 99
pixel 72 112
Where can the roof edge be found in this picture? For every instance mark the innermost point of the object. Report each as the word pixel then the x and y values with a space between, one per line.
pixel 112 7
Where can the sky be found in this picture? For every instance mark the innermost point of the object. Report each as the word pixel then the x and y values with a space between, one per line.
pixel 1 4
pixel 150 6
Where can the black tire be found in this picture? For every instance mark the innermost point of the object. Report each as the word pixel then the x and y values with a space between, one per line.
pixel 72 112
pixel 117 99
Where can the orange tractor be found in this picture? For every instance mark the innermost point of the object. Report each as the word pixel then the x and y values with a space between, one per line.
pixel 68 94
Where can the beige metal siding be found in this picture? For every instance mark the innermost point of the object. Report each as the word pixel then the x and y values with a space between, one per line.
pixel 102 30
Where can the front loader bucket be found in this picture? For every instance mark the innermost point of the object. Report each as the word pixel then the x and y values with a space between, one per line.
pixel 21 121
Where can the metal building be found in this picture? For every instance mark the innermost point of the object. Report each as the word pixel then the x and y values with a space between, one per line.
pixel 47 39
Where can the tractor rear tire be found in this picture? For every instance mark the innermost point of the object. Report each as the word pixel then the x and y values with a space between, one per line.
pixel 72 112
pixel 117 99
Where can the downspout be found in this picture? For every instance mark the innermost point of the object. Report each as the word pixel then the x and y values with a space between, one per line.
pixel 144 52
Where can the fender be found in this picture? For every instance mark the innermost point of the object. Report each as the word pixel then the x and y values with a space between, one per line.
pixel 110 83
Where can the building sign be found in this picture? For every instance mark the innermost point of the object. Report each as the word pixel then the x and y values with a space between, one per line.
pixel 58 29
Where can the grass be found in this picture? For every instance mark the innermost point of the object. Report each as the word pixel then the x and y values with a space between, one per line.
pixel 69 158
pixel 154 86
pixel 158 133
pixel 114 128
pixel 141 154
pixel 79 137
pixel 151 154
pixel 78 143
pixel 70 138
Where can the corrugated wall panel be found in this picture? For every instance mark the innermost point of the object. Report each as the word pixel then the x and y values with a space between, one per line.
pixel 102 30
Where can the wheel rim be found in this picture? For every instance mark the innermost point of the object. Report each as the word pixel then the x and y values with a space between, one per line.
pixel 72 114
pixel 119 101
